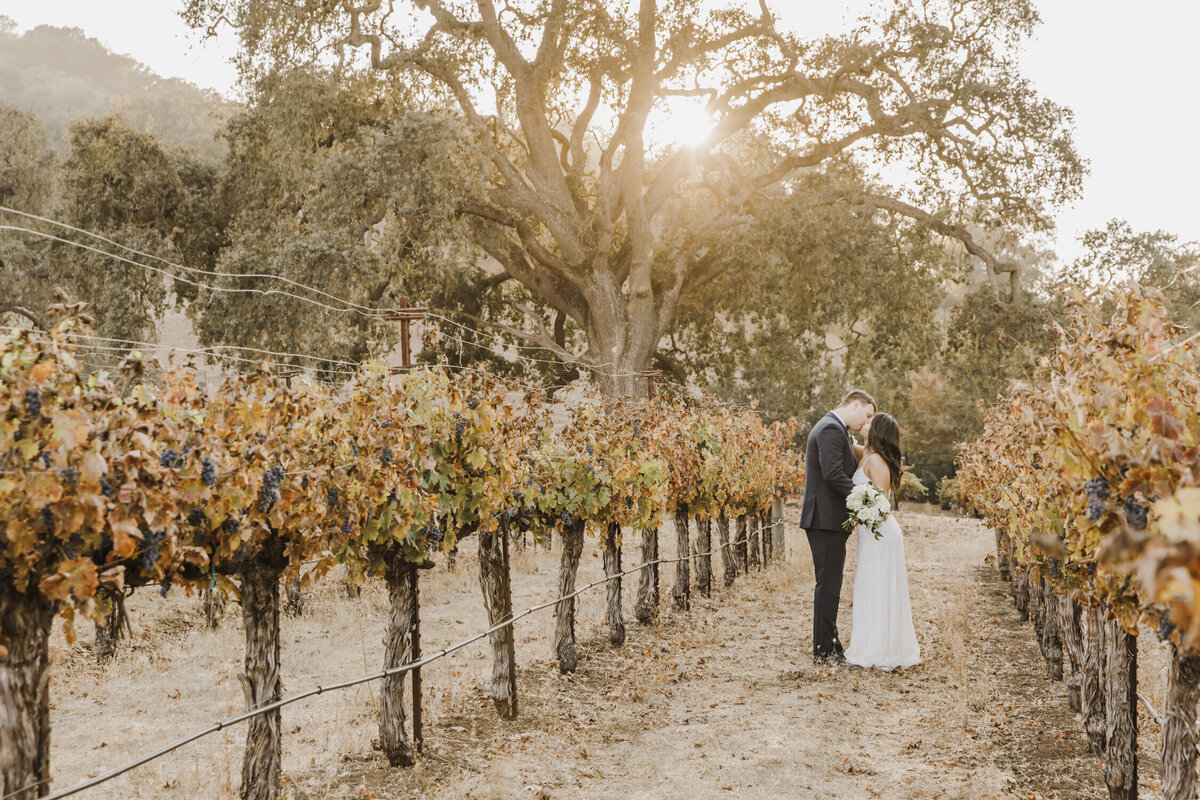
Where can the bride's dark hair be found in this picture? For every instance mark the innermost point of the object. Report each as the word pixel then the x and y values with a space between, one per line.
pixel 884 439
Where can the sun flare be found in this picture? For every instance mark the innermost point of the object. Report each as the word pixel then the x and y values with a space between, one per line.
pixel 682 123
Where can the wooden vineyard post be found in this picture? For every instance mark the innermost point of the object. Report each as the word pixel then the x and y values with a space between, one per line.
pixel 743 559
pixel 612 570
pixel 1179 727
pixel 703 556
pixel 25 619
pixel 728 556
pixel 646 609
pixel 752 537
pixel 1120 753
pixel 418 736
pixel 682 590
pixel 778 542
pixel 564 610
pixel 495 579
pixel 764 537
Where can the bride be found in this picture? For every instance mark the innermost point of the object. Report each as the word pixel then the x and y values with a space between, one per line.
pixel 881 632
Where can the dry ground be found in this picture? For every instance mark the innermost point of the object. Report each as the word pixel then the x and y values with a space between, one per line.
pixel 717 703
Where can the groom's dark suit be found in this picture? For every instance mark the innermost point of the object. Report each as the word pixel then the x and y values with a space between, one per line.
pixel 829 463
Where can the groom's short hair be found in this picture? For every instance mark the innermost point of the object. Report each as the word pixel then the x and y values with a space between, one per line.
pixel 860 396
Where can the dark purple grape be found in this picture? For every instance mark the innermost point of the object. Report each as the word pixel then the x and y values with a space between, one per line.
pixel 1136 514
pixel 208 473
pixel 1096 510
pixel 33 403
pixel 1097 487
pixel 197 517
pixel 171 458
pixel 386 456
pixel 106 488
pixel 47 519
pixel 331 497
pixel 70 478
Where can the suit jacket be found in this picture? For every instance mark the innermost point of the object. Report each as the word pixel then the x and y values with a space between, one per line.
pixel 829 463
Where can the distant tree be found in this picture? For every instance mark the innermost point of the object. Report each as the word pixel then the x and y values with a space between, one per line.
pixel 559 95
pixel 26 181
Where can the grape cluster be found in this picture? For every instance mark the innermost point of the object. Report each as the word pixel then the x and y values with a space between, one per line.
pixel 46 459
pixel 70 478
pixel 566 518
pixel 331 497
pixel 268 495
pixel 473 404
pixel 48 519
pixel 1136 514
pixel 386 456
pixel 460 428
pixel 1096 510
pixel 197 517
pixel 151 543
pixel 1097 487
pixel 208 472
pixel 106 488
pixel 171 458
pixel 304 482
pixel 433 534
pixel 33 403
pixel 347 527
pixel 230 525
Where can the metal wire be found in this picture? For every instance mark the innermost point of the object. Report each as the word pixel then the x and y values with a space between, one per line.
pixel 404 668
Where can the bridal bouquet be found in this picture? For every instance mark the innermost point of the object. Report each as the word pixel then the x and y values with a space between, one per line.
pixel 868 507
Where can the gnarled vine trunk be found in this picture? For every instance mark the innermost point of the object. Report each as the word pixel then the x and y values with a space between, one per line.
pixel 681 592
pixel 212 606
pixel 25 619
pixel 1002 555
pixel 1051 638
pixel 293 606
pixel 703 556
pixel 728 557
pixel 778 529
pixel 1092 678
pixel 1179 727
pixel 1020 591
pixel 646 609
pixel 1072 640
pixel 612 567
pixel 742 547
pixel 397 651
pixel 495 579
pixel 564 610
pixel 1120 673
pixel 262 764
pixel 764 536
pixel 753 546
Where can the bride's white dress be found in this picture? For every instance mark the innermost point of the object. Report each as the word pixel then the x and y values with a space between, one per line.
pixel 881 632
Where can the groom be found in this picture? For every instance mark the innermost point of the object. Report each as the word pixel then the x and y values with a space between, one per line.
pixel 829 463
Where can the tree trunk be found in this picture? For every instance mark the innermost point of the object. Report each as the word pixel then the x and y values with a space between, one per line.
pixel 25 619
pixel 703 556
pixel 682 590
pixel 1020 593
pixel 495 579
pixel 1051 638
pixel 397 651
pixel 1002 562
pixel 564 611
pixel 752 544
pixel 1068 626
pixel 262 765
pixel 112 628
pixel 212 605
pixel 612 566
pixel 742 547
pixel 1036 612
pixel 1092 677
pixel 778 529
pixel 728 557
pixel 1179 727
pixel 293 605
pixel 1120 755
pixel 646 609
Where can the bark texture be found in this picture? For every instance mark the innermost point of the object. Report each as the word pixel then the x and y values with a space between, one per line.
pixel 646 608
pixel 778 543
pixel 612 567
pixel 495 579
pixel 743 557
pixel 25 619
pixel 1002 556
pixel 564 611
pixel 262 764
pixel 293 606
pixel 765 539
pixel 1072 642
pixel 753 545
pixel 1179 727
pixel 1051 638
pixel 703 556
pixel 212 605
pixel 681 592
pixel 397 651
pixel 112 628
pixel 728 557
pixel 1120 754
pixel 1020 590
pixel 1092 678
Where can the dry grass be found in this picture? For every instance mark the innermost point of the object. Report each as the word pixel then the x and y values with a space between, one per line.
pixel 721 702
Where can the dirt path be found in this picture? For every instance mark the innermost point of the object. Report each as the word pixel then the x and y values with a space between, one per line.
pixel 725 702
pixel 721 702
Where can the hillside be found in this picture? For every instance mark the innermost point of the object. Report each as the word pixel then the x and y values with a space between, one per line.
pixel 61 74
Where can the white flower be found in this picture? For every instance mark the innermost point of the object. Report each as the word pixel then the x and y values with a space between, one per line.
pixel 868 515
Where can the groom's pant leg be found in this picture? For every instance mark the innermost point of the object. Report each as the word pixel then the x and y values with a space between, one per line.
pixel 829 560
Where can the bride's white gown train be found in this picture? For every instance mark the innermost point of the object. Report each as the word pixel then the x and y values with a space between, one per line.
pixel 881 631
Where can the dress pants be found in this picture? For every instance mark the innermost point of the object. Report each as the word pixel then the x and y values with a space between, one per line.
pixel 829 560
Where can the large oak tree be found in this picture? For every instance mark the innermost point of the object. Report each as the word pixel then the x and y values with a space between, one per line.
pixel 614 229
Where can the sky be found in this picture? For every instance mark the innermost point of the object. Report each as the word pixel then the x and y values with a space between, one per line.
pixel 1130 72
